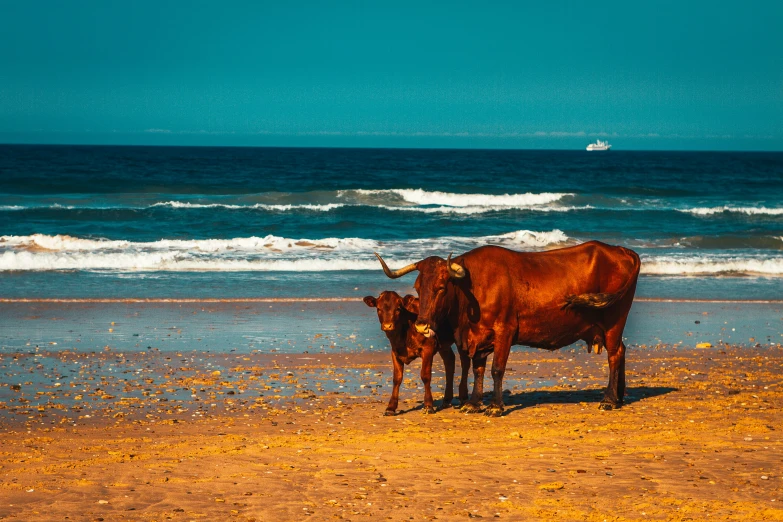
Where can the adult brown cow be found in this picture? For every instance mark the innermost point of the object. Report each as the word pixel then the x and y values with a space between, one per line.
pixel 492 298
pixel 397 316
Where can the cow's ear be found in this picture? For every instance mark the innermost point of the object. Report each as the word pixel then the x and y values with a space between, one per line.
pixel 370 301
pixel 411 304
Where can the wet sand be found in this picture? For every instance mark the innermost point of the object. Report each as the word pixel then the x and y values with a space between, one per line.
pixel 323 325
pixel 196 435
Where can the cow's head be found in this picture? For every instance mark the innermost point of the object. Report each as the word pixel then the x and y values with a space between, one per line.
pixel 392 309
pixel 433 287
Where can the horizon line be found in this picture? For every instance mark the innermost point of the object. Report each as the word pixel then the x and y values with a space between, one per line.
pixel 360 147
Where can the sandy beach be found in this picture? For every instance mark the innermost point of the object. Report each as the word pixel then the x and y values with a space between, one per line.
pixel 103 433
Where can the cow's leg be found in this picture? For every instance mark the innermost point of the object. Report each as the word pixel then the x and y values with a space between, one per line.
pixel 621 379
pixel 615 350
pixel 449 362
pixel 499 358
pixel 474 404
pixel 391 409
pixel 426 378
pixel 464 361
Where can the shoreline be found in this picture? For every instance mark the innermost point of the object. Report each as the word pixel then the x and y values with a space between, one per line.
pixel 326 325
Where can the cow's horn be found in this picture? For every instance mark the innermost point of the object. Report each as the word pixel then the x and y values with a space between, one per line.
pixel 456 271
pixel 394 274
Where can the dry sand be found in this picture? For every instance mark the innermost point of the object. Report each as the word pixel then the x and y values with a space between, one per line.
pixel 189 436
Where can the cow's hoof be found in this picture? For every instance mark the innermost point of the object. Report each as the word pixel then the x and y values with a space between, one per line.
pixel 428 410
pixel 469 407
pixel 606 406
pixel 493 411
pixel 389 413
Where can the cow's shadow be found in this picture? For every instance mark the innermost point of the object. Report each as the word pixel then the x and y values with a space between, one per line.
pixel 525 399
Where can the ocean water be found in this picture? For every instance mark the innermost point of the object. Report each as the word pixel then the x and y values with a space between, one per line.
pixel 196 222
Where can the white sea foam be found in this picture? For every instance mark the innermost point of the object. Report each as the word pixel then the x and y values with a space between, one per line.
pixel 172 261
pixel 481 209
pixel 712 266
pixel 65 243
pixel 259 206
pixel 411 200
pixel 195 261
pixel 708 211
pixel 275 253
pixel 450 199
pixel 43 242
pixel 326 207
pixel 408 200
pixel 62 252
pixel 529 238
pixel 59 243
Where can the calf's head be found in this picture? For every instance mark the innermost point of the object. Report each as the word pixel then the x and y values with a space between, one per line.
pixel 394 311
pixel 433 286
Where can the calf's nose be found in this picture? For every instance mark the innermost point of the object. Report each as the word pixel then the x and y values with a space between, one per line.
pixel 387 327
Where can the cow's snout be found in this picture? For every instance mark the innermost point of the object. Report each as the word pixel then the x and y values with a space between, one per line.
pixel 387 327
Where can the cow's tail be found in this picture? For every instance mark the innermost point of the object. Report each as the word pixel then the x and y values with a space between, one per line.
pixel 605 300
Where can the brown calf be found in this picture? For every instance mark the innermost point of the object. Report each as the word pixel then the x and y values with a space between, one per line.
pixel 397 316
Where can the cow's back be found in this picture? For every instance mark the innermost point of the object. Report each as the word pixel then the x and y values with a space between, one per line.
pixel 526 291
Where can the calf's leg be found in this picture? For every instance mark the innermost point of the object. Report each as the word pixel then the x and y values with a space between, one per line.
pixel 391 409
pixel 426 378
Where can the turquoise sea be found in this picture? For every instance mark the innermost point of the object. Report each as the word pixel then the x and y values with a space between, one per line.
pixel 196 222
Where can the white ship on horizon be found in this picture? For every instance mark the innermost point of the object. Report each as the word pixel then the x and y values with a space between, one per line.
pixel 599 145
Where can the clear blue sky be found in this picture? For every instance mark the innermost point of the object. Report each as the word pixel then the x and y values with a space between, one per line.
pixel 517 74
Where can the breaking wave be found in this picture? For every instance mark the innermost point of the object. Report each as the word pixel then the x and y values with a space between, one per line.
pixel 696 266
pixel 750 211
pixel 450 199
pixel 61 252
pixel 481 209
pixel 323 201
pixel 406 200
pixel 40 252
pixel 171 261
pixel 714 243
pixel 259 206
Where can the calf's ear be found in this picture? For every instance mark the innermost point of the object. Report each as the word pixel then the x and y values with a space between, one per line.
pixel 370 301
pixel 411 304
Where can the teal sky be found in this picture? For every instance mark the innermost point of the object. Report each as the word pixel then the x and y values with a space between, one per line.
pixel 645 75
